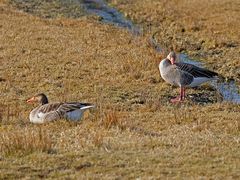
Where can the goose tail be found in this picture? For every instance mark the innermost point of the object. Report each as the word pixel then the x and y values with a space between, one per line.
pixel 89 106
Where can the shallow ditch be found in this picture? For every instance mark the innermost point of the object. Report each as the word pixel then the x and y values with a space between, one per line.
pixel 107 14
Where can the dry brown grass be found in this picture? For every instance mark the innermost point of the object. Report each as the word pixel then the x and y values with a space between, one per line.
pixel 112 118
pixel 134 132
pixel 25 141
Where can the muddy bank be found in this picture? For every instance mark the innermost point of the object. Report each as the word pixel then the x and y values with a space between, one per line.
pixel 98 9
pixel 205 30
pixel 105 13
pixel 50 9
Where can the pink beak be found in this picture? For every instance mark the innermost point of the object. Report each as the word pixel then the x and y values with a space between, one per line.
pixel 172 60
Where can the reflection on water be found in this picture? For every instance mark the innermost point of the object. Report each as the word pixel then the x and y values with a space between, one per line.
pixel 228 90
pixel 108 14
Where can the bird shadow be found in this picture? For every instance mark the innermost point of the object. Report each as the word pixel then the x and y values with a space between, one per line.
pixel 200 98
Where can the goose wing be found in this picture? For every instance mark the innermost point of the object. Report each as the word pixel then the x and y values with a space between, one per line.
pixel 72 106
pixel 49 112
pixel 47 108
pixel 179 76
pixel 54 111
pixel 196 71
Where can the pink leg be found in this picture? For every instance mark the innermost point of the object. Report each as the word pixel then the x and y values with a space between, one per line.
pixel 184 93
pixel 183 90
pixel 181 97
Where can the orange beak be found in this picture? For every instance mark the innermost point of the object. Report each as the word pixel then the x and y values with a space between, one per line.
pixel 31 100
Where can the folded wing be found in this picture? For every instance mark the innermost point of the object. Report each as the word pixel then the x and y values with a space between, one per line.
pixel 196 71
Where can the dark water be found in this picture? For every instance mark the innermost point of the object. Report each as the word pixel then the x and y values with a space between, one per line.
pixel 108 14
pixel 228 90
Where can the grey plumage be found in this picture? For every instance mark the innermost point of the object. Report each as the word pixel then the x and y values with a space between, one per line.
pixel 183 74
pixel 53 111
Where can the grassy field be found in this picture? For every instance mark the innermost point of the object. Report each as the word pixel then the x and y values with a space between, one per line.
pixel 206 30
pixel 134 132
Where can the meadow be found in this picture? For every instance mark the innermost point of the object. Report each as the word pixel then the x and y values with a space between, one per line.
pixel 135 132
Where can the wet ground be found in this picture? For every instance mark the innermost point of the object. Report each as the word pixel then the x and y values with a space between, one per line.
pixel 206 31
pixel 105 13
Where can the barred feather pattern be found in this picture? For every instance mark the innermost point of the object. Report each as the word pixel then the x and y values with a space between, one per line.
pixel 54 111
pixel 196 71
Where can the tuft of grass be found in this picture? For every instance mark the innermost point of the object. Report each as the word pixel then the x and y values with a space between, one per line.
pixel 26 141
pixel 1 112
pixel 98 139
pixel 112 118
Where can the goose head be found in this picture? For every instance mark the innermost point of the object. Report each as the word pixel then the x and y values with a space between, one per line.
pixel 172 57
pixel 39 98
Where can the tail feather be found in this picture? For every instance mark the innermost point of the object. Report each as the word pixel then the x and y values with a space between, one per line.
pixel 87 107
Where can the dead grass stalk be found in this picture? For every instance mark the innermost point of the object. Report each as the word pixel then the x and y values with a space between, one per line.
pixel 22 142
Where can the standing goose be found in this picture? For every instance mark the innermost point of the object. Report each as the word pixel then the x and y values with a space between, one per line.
pixel 183 74
pixel 46 112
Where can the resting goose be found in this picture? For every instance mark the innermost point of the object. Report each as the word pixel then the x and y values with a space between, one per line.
pixel 183 74
pixel 46 112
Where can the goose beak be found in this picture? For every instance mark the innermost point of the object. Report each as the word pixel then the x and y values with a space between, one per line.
pixel 31 100
pixel 172 60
